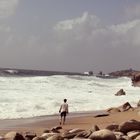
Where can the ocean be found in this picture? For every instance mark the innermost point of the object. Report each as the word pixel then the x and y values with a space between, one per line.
pixel 25 97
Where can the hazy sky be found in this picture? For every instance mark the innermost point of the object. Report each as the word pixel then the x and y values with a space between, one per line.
pixel 70 35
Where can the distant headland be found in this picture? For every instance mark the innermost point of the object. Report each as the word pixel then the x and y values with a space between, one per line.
pixel 133 74
pixel 25 72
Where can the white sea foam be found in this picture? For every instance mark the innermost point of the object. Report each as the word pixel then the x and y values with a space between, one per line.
pixel 22 97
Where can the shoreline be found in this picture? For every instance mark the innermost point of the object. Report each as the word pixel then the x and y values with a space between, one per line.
pixel 82 120
pixel 15 122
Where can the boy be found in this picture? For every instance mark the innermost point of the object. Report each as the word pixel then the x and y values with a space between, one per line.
pixel 63 111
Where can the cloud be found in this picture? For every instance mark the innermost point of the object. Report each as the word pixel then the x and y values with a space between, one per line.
pixel 90 29
pixel 88 40
pixel 132 11
pixel 80 21
pixel 79 44
pixel 7 7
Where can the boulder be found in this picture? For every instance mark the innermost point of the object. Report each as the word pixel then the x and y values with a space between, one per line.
pixel 78 133
pixel 119 135
pixel 125 107
pixel 103 134
pixel 129 126
pixel 113 110
pixel 84 134
pixel 125 138
pixel 101 114
pixel 133 134
pixel 47 131
pixel 112 127
pixel 39 138
pixel 138 138
pixel 56 137
pixel 68 135
pixel 30 135
pixel 56 128
pixel 13 136
pixel 120 92
pixel 47 135
pixel 136 77
pixel 94 128
pixel 76 130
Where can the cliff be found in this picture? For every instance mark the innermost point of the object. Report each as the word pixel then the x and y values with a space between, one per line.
pixel 133 74
pixel 136 79
pixel 124 73
pixel 23 72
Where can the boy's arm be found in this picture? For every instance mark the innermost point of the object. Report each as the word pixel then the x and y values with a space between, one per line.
pixel 60 109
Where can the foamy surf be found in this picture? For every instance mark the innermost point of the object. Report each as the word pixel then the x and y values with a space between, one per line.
pixel 23 97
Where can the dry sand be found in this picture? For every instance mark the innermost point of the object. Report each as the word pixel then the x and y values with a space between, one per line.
pixel 83 120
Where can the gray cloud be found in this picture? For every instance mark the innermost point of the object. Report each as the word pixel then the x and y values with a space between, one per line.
pixel 7 7
pixel 88 43
pixel 132 11
pixel 79 44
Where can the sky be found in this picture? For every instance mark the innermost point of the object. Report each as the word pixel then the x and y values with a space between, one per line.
pixel 70 35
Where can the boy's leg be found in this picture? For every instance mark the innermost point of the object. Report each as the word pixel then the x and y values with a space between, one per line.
pixel 64 119
pixel 60 119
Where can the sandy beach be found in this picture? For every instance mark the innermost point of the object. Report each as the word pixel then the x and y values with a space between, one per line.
pixel 83 120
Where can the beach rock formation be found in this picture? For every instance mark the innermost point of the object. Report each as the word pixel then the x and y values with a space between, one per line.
pixel 84 134
pixel 103 134
pixel 113 110
pixel 14 136
pixel 112 127
pixel 30 135
pixel 138 137
pixel 128 130
pixel 94 128
pixel 136 79
pixel 119 135
pixel 39 138
pixel 56 137
pixel 133 134
pixel 129 126
pixel 47 135
pixel 120 92
pixel 125 107
pixel 123 73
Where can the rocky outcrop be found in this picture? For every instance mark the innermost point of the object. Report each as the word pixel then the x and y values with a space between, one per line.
pixel 103 134
pixel 24 72
pixel 136 79
pixel 30 135
pixel 120 92
pixel 14 136
pixel 39 138
pixel 129 126
pixel 113 110
pixel 113 127
pixel 122 73
pixel 125 107
pixel 128 130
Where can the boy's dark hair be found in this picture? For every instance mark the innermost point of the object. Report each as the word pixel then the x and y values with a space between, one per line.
pixel 65 100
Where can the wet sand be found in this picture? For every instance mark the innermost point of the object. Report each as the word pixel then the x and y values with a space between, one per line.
pixel 83 120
